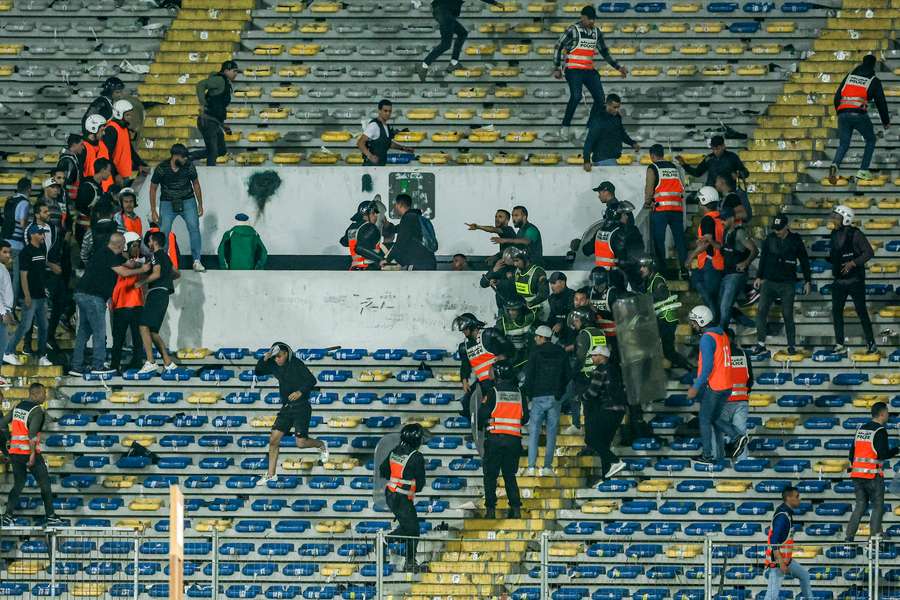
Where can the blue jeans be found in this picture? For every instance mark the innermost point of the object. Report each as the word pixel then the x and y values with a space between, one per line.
pixel 91 324
pixel 660 220
pixel 191 220
pixel 570 399
pixel 711 405
pixel 707 281
pixel 589 78
pixel 36 312
pixel 775 577
pixel 731 286
pixel 543 408
pixel 606 162
pixel 733 422
pixel 847 122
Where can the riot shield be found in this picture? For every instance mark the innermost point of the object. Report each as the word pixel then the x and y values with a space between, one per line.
pixel 382 451
pixel 582 262
pixel 640 350
pixel 474 403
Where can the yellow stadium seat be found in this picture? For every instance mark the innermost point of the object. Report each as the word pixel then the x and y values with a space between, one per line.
pixel 336 136
pixel 208 525
pixel 505 7
pixel 761 400
pixel 434 158
pixel 338 570
pixel 541 158
pixel 502 71
pixel 249 92
pixel 50 158
pixel 471 158
pixel 266 135
pixel 623 50
pixel 410 136
pixel 646 71
pixel 11 49
pixel 343 422
pixel 685 7
pixel 889 312
pixel 484 135
pixel 332 526
pixel 325 7
pixel 508 159
pixel 135 524
pixel 541 7
pixel 766 48
pixel 493 27
pixel 694 49
pixel 730 49
pixel 275 113
pixel 288 91
pixel 374 375
pixel 279 27
pixel 263 422
pixel 782 423
pixel 324 158
pixel 732 486
pixel 356 158
pixel 239 113
pixel 637 28
pixel 145 504
pixel 682 71
pixel 888 267
pixel 654 485
pixel 498 114
pixel 421 114
pixel 424 421
pixel 561 27
pixel 509 92
pixel 142 439
pixel 515 49
pixel 269 49
pixel 782 356
pixel 753 70
pixel 22 158
pixel 655 49
pixel 867 400
pixel 446 136
pixel 459 114
pixel 529 28
pixel 886 379
pixel 574 7
pixel 234 136
pixel 287 158
pixel 546 49
pixel 121 482
pixel 879 224
pixel 305 49
pixel 831 465
pixel 599 506
pixel 289 7
pixel 684 551
pixel 840 182
pixel 481 49
pixel 55 461
pixel 126 397
pixel 193 353
pixel 317 27
pixel 293 71
pixel 858 203
pixel 709 27
pixel 889 203
pixel 877 181
pixel 807 552
pixel 672 27
pixel 203 397
pixel 473 92
pixel 781 27
pixel 717 71
pixel 565 549
pixel 7 70
pixel 468 72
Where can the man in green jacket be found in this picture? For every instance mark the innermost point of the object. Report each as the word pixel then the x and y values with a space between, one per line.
pixel 241 248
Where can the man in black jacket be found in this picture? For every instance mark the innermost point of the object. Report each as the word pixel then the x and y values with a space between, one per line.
pixel 408 249
pixel 851 101
pixel 604 409
pixel 776 277
pixel 562 301
pixel 867 455
pixel 214 96
pixel 547 374
pixel 446 13
pixel 849 253
pixel 606 134
pixel 295 382
pixel 720 160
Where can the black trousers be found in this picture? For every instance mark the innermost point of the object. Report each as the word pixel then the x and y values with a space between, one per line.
pixel 405 511
pixel 578 78
pixel 123 320
pixel 213 138
pixel 667 335
pixel 857 292
pixel 501 456
pixel 19 463
pixel 600 427
pixel 450 27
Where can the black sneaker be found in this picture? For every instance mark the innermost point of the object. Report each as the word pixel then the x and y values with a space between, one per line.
pixel 76 372
pixel 451 67
pixel 490 513
pixel 740 445
pixel 7 521
pixel 514 512
pixel 839 349
pixel 703 460
pixel 422 72
pixel 871 348
pixel 832 174
pixel 53 521
pixel 791 350
pixel 759 348
pixel 413 567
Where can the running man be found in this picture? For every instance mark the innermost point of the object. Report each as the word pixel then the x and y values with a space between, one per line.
pixel 295 382
pixel 446 13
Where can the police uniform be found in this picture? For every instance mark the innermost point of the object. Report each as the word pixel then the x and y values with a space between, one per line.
pixel 477 356
pixel 520 333
pixel 405 471
pixel 501 415
pixel 867 455
pixel 364 243
pixel 536 295
pixel 668 208
pixel 666 305
pixel 25 422
pixel 615 244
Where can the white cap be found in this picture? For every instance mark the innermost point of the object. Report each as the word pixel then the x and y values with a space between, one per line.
pixel 544 332
pixel 845 213
pixel 708 195
pixel 601 351
pixel 131 236
pixel 120 108
pixel 93 123
pixel 49 182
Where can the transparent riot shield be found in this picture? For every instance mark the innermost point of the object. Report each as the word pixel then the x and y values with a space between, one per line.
pixel 474 402
pixel 640 349
pixel 382 451
pixel 582 262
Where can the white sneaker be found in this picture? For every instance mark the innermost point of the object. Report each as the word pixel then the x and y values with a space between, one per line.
pixel 44 362
pixel 4 382
pixel 616 468
pixel 530 472
pixel 262 481
pixel 11 359
pixel 170 367
pixel 324 454
pixel 198 266
pixel 149 367
pixel 571 430
pixel 548 472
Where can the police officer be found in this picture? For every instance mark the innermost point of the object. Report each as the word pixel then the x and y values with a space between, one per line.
pixel 113 89
pixel 780 546
pixel 501 415
pixel 404 469
pixel 664 195
pixel 666 306
pixel 364 239
pixel 518 323
pixel 607 287
pixel 482 348
pixel 867 455
pixel 25 422
pixel 849 252
pixel 531 284
pixel 378 137
pixel 617 243
pixel 588 336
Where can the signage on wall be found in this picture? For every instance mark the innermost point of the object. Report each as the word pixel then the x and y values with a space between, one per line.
pixel 419 186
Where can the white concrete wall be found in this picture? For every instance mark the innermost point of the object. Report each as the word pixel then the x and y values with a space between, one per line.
pixel 311 210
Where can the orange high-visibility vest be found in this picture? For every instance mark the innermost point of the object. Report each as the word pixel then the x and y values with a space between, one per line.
pixel 669 191
pixel 787 547
pixel 126 294
pixel 855 93
pixel 603 252
pixel 121 154
pixel 19 442
pixel 602 307
pixel 358 262
pixel 480 359
pixel 720 376
pixel 396 482
pixel 171 246
pixel 740 377
pixel 865 459
pixel 92 153
pixel 718 260
pixel 581 56
pixel 506 418
pixel 132 224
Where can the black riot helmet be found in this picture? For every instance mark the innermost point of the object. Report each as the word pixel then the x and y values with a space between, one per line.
pixel 515 303
pixel 504 372
pixel 467 321
pixel 600 278
pixel 585 314
pixel 112 84
pixel 412 435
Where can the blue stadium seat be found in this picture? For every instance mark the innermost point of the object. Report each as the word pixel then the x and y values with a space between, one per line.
pixel 398 398
pixel 743 529
pixel 637 507
pixel 174 462
pixel 751 465
pixel 581 528
pixel 430 354
pixel 178 440
pixel 76 420
pixel 89 461
pixel 292 526
pixel 305 504
pixel 85 398
pixel 242 398
pixel 675 507
pixel 621 528
pixel 616 485
pixel 662 528
pixel 795 400
pixel 392 354
pixel 643 550
pixel 702 528
pixel 803 444
pixel 78 481
pixel 152 420
pixel 715 507
pixel 694 485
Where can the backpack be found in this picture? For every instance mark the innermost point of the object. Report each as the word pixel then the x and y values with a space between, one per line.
pixel 429 239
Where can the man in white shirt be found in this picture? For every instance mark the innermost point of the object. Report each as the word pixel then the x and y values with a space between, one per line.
pixel 378 137
pixel 6 295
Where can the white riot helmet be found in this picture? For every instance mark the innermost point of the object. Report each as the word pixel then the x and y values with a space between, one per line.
pixel 846 214
pixel 121 107
pixel 701 315
pixel 93 123
pixel 708 195
pixel 131 237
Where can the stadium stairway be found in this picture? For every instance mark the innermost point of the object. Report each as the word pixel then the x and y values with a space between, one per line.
pixel 200 39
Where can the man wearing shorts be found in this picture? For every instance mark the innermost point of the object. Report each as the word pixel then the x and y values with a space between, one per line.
pixel 159 284
pixel 295 382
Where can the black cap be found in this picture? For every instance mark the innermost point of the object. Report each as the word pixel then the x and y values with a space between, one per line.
pixel 716 140
pixel 179 150
pixel 74 138
pixel 779 221
pixel 230 65
pixel 589 12
pixel 606 186
pixel 557 276
pixel 657 150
